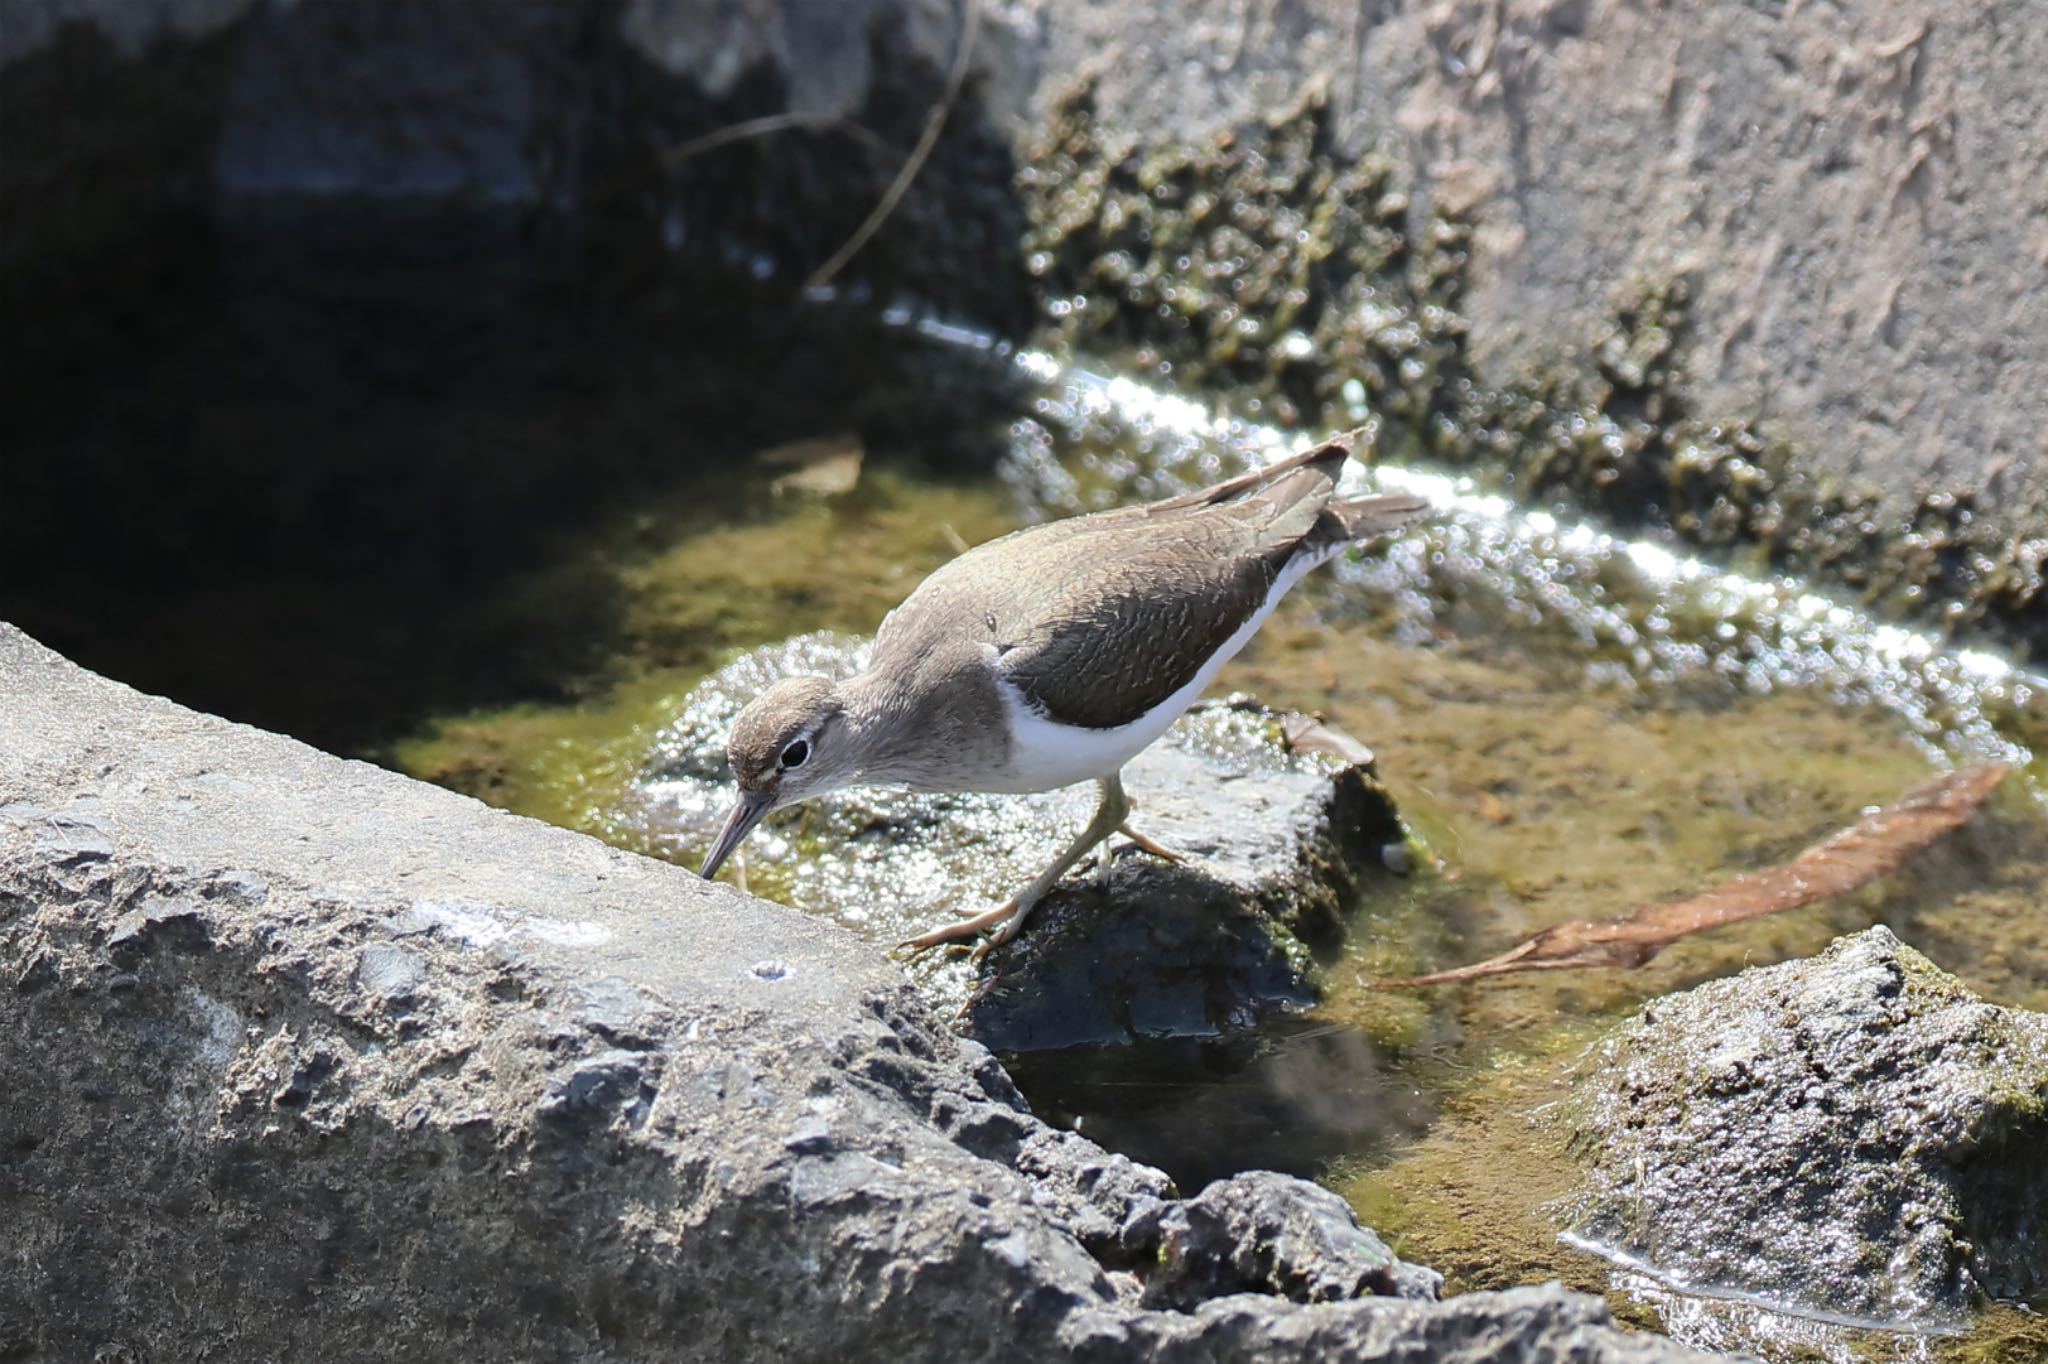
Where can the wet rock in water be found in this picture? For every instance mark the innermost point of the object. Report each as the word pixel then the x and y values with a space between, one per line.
pixel 1261 1233
pixel 1258 1232
pixel 1854 1135
pixel 1280 846
pixel 283 1035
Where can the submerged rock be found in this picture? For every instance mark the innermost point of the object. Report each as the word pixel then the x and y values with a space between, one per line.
pixel 299 1057
pixel 1262 1233
pixel 1279 846
pixel 1854 1136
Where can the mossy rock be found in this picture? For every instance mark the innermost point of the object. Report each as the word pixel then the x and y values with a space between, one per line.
pixel 1854 1136
pixel 1280 846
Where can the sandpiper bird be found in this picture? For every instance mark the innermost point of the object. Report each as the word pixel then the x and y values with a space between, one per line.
pixel 1052 656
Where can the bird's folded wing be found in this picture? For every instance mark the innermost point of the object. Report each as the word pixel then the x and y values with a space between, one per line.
pixel 1122 636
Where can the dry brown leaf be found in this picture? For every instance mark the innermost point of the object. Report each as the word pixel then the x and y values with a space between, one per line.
pixel 824 465
pixel 1878 843
pixel 1492 809
pixel 1307 733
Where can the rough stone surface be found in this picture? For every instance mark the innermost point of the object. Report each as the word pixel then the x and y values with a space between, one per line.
pixel 1855 193
pixel 1281 267
pixel 1260 1232
pixel 299 1057
pixel 1854 1135
pixel 1279 848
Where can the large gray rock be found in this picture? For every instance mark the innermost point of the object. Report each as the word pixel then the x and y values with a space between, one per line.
pixel 1280 846
pixel 1849 190
pixel 299 1057
pixel 1854 1136
pixel 1280 265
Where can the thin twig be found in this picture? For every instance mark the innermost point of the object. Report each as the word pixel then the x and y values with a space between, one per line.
pixel 1879 843
pixel 670 157
pixel 935 122
pixel 760 127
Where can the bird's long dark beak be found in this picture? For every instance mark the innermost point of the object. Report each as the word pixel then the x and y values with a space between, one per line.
pixel 738 825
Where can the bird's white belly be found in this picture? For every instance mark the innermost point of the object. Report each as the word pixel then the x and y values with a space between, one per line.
pixel 1045 754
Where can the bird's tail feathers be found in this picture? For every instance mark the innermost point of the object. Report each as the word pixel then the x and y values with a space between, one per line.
pixel 1329 457
pixel 1361 517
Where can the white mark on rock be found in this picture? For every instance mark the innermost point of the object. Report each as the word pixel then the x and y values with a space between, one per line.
pixel 567 932
pixel 219 1029
pixel 486 925
pixel 479 925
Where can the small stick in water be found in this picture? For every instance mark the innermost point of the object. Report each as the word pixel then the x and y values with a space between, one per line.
pixel 1874 845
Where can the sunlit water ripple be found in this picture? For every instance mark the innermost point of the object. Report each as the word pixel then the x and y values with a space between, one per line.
pixel 1643 612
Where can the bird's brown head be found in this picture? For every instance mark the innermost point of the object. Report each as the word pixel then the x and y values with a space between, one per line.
pixel 788 744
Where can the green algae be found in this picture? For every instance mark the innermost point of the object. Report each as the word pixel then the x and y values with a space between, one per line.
pixel 566 764
pixel 836 563
pixel 696 588
pixel 2004 1334
pixel 1547 800
pixel 1470 1198
pixel 1545 795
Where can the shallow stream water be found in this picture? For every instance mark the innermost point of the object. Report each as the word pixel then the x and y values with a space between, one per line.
pixel 1574 724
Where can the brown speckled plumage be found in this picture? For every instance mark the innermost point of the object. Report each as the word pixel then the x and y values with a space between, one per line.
pixel 1097 619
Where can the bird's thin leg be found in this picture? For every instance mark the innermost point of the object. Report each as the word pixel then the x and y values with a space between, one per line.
pixel 1002 922
pixel 1150 845
pixel 1139 841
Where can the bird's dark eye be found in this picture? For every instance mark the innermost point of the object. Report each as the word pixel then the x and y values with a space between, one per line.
pixel 794 755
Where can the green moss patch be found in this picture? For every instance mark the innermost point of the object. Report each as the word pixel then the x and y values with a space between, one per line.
pixel 1277 265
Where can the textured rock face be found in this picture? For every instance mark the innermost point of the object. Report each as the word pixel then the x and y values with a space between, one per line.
pixel 1279 847
pixel 299 1057
pixel 1319 283
pixel 1854 1135
pixel 1845 189
pixel 1262 1233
